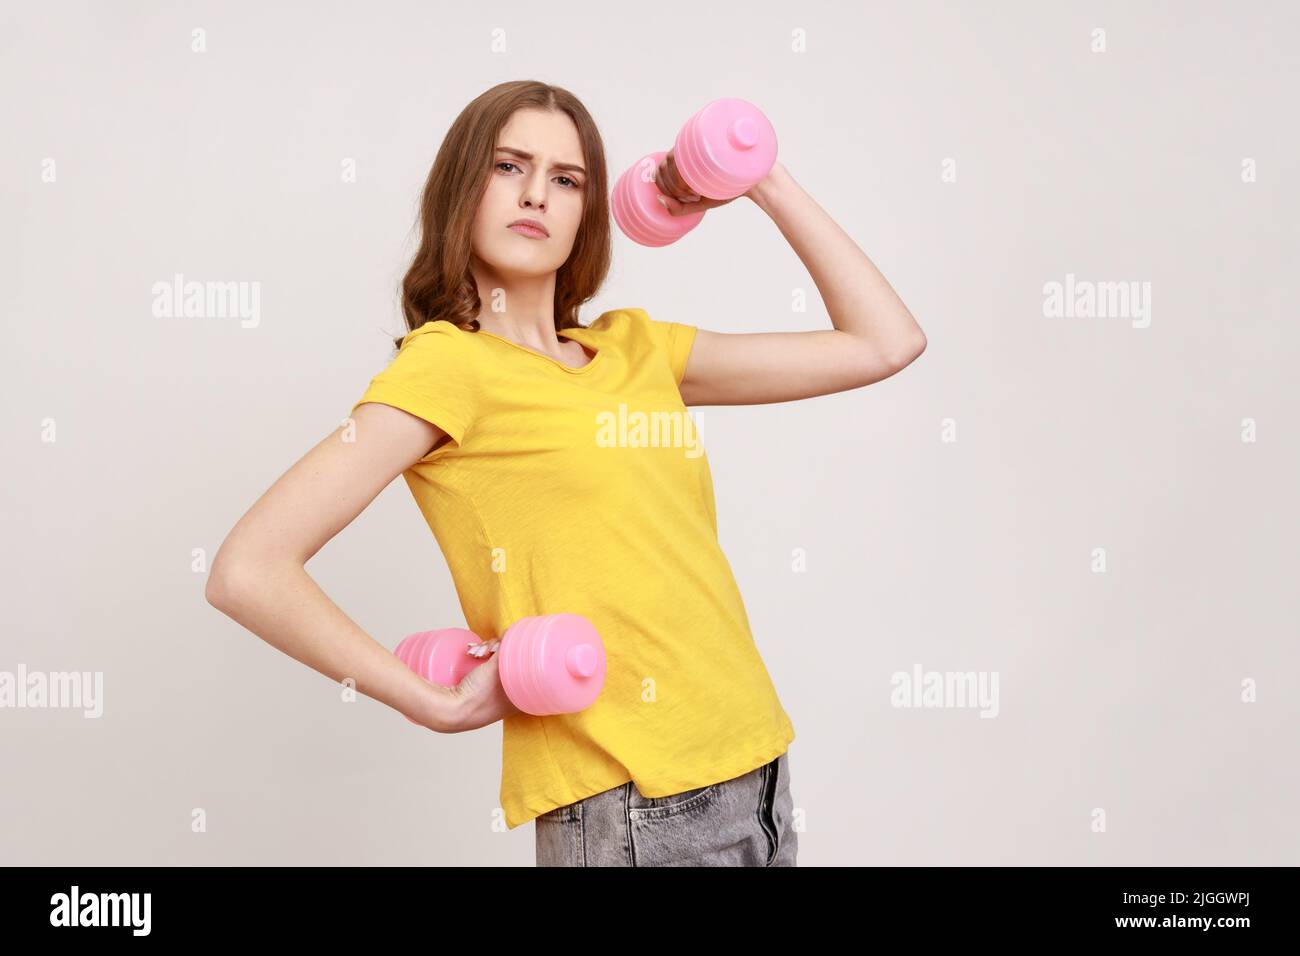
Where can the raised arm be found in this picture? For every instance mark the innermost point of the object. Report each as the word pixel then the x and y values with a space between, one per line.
pixel 874 335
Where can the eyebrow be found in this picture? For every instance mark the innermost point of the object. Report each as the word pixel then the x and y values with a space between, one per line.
pixel 523 155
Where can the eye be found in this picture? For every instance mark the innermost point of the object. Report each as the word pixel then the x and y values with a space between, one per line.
pixel 571 182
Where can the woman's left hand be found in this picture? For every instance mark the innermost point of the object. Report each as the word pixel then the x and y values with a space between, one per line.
pixel 678 198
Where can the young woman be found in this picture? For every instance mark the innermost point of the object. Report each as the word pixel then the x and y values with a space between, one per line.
pixel 496 411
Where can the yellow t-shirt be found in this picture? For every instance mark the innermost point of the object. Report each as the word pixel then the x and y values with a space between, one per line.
pixel 587 491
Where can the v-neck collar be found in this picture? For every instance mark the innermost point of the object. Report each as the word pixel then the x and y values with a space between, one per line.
pixel 560 333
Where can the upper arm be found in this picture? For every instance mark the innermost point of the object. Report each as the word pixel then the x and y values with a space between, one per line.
pixel 752 368
pixel 412 410
pixel 321 493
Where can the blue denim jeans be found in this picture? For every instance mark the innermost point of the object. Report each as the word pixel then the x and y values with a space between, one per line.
pixel 744 821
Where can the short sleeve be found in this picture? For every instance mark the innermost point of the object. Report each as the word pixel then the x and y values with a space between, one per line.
pixel 674 339
pixel 432 377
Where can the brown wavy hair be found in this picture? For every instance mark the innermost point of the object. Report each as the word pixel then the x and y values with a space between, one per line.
pixel 439 285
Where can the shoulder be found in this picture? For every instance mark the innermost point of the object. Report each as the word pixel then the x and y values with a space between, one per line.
pixel 645 336
pixel 438 331
pixel 632 323
pixel 439 342
pixel 435 351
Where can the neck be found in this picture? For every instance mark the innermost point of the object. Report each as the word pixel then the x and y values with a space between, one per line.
pixel 521 308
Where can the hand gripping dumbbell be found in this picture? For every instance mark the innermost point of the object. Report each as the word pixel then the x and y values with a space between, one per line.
pixel 721 152
pixel 550 664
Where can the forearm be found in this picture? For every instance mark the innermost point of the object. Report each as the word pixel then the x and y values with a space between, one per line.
pixel 858 298
pixel 284 606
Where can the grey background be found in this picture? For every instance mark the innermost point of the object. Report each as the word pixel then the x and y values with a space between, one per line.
pixel 1119 691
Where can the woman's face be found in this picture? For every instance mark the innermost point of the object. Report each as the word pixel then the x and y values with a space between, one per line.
pixel 536 174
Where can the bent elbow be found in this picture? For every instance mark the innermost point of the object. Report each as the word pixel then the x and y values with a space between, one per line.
pixel 222 588
pixel 909 355
pixel 215 592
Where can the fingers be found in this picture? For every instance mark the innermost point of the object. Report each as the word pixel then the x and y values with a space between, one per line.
pixel 686 208
pixel 482 648
pixel 671 183
pixel 671 204
pixel 677 199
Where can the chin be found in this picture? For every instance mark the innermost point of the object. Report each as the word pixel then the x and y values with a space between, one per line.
pixel 523 267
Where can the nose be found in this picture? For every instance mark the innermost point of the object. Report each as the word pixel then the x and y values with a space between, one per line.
pixel 534 195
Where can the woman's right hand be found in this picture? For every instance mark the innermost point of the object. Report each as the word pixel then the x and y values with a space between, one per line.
pixel 478 700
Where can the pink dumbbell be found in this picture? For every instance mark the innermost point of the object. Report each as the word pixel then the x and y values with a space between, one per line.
pixel 550 664
pixel 721 152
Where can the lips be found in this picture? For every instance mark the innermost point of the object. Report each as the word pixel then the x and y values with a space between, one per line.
pixel 529 227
